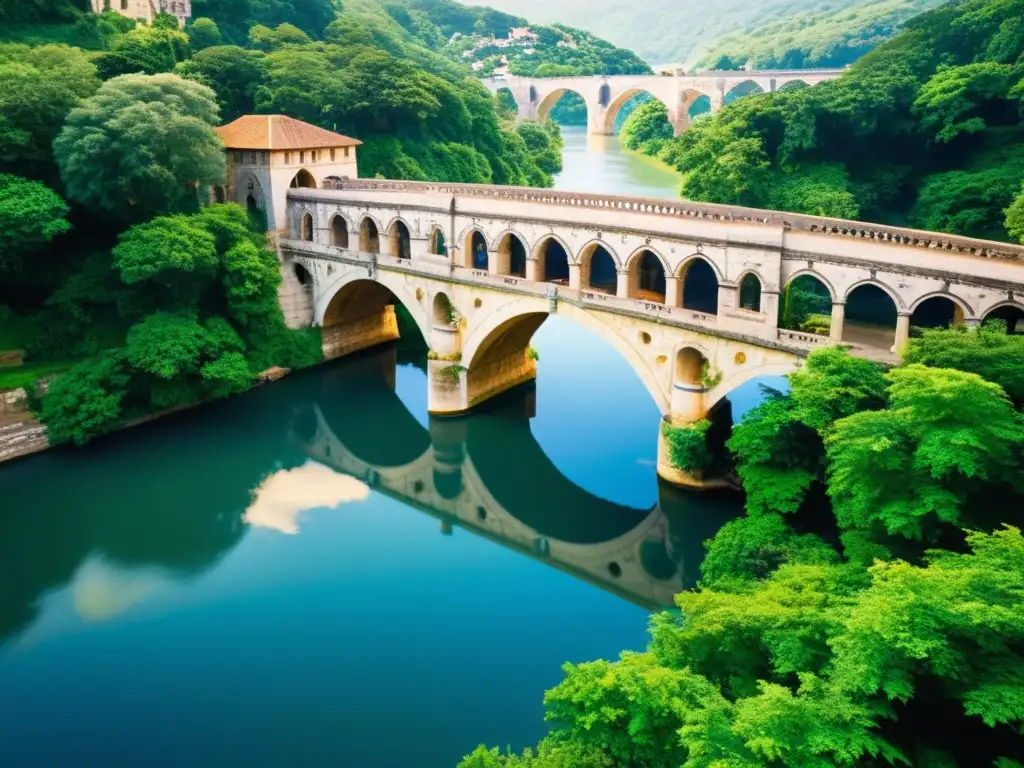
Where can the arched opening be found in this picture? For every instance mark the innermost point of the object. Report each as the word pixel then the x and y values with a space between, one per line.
pixel 369 236
pixel 689 370
pixel 572 112
pixel 700 105
pixel 599 272
pixel 437 245
pixel 1010 314
pixel 506 101
pixel 750 293
pixel 647 277
pixel 806 306
pixel 250 204
pixel 443 314
pixel 302 275
pixel 512 256
pixel 476 249
pixel 219 195
pixel 306 227
pixel 738 91
pixel 793 85
pixel 618 111
pixel 339 232
pixel 363 314
pixel 303 180
pixel 700 286
pixel 552 262
pixel 937 312
pixel 870 317
pixel 399 241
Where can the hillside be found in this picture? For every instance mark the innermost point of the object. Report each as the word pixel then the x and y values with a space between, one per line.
pixel 831 38
pixel 663 31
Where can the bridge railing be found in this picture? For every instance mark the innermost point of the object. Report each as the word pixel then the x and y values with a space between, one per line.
pixel 840 228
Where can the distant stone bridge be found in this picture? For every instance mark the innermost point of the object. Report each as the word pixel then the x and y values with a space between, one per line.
pixel 688 293
pixel 605 95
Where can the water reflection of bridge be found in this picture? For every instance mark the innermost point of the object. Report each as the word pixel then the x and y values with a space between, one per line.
pixel 486 473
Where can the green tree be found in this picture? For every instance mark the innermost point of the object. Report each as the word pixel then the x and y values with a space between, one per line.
pixel 146 49
pixel 268 39
pixel 86 401
pixel 143 145
pixel 1015 218
pixel 647 123
pixel 720 166
pixel 950 101
pixel 946 438
pixel 233 73
pixel 203 33
pixel 38 88
pixel 31 215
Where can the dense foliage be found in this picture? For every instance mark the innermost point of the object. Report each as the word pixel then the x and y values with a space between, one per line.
pixel 866 611
pixel 831 37
pixel 927 130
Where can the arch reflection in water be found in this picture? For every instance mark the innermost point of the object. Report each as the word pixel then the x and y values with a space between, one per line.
pixel 486 473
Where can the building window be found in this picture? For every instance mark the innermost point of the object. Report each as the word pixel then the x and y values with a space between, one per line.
pixel 346 153
pixel 265 158
pixel 314 156
pixel 124 5
pixel 239 158
pixel 302 158
pixel 287 158
pixel 332 155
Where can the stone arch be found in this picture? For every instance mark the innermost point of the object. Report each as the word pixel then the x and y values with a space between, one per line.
pixel 435 243
pixel 303 180
pixel 502 335
pixel 552 255
pixel 250 201
pixel 1011 312
pixel 551 99
pixel 749 288
pixel 615 106
pixel 939 310
pixel 302 275
pixel 474 248
pixel 871 314
pixel 306 226
pixel 745 374
pixel 748 87
pixel 441 310
pixel 395 286
pixel 399 239
pixel 820 278
pixel 512 253
pixel 814 295
pixel 369 235
pixel 339 231
pixel 647 273
pixel 696 103
pixel 599 267
pixel 688 369
pixel 794 84
pixel 701 279
pixel 506 98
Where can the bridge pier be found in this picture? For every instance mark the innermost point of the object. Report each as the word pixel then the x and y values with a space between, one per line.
pixel 835 332
pixel 452 389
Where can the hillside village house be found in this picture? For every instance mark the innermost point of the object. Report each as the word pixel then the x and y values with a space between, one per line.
pixel 267 154
pixel 146 10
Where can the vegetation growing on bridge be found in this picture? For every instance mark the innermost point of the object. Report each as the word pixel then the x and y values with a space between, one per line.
pixel 871 587
pixel 926 130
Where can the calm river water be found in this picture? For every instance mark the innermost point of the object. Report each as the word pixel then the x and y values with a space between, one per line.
pixel 317 573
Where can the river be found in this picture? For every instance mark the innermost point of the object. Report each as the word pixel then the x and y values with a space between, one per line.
pixel 600 165
pixel 318 573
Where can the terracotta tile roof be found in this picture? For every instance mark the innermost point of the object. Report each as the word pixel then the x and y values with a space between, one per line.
pixel 279 132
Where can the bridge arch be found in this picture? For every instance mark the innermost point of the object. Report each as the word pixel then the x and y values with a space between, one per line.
pixel 951 297
pixel 854 287
pixel 512 252
pixel 339 230
pixel 817 276
pixel 340 291
pixel 599 267
pixel 792 84
pixel 548 102
pixel 1012 312
pixel 552 254
pixel 369 234
pixel 614 107
pixel 648 271
pixel 399 239
pixel 748 87
pixel 701 279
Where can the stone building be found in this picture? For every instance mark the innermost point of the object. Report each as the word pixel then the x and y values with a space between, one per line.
pixel 146 10
pixel 267 154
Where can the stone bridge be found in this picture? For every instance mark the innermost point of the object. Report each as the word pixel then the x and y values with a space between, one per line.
pixel 606 94
pixel 688 293
pixel 468 473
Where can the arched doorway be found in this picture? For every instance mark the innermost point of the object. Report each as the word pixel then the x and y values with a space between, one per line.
pixel 1010 314
pixel 306 227
pixel 511 256
pixel 599 272
pixel 250 204
pixel 476 250
pixel 399 241
pixel 937 312
pixel 437 244
pixel 870 317
pixel 552 262
pixel 302 275
pixel 304 180
pixel 806 306
pixel 339 232
pixel 750 293
pixel 700 286
pixel 369 236
pixel 647 277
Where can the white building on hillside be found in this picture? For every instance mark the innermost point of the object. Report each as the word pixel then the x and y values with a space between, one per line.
pixel 146 10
